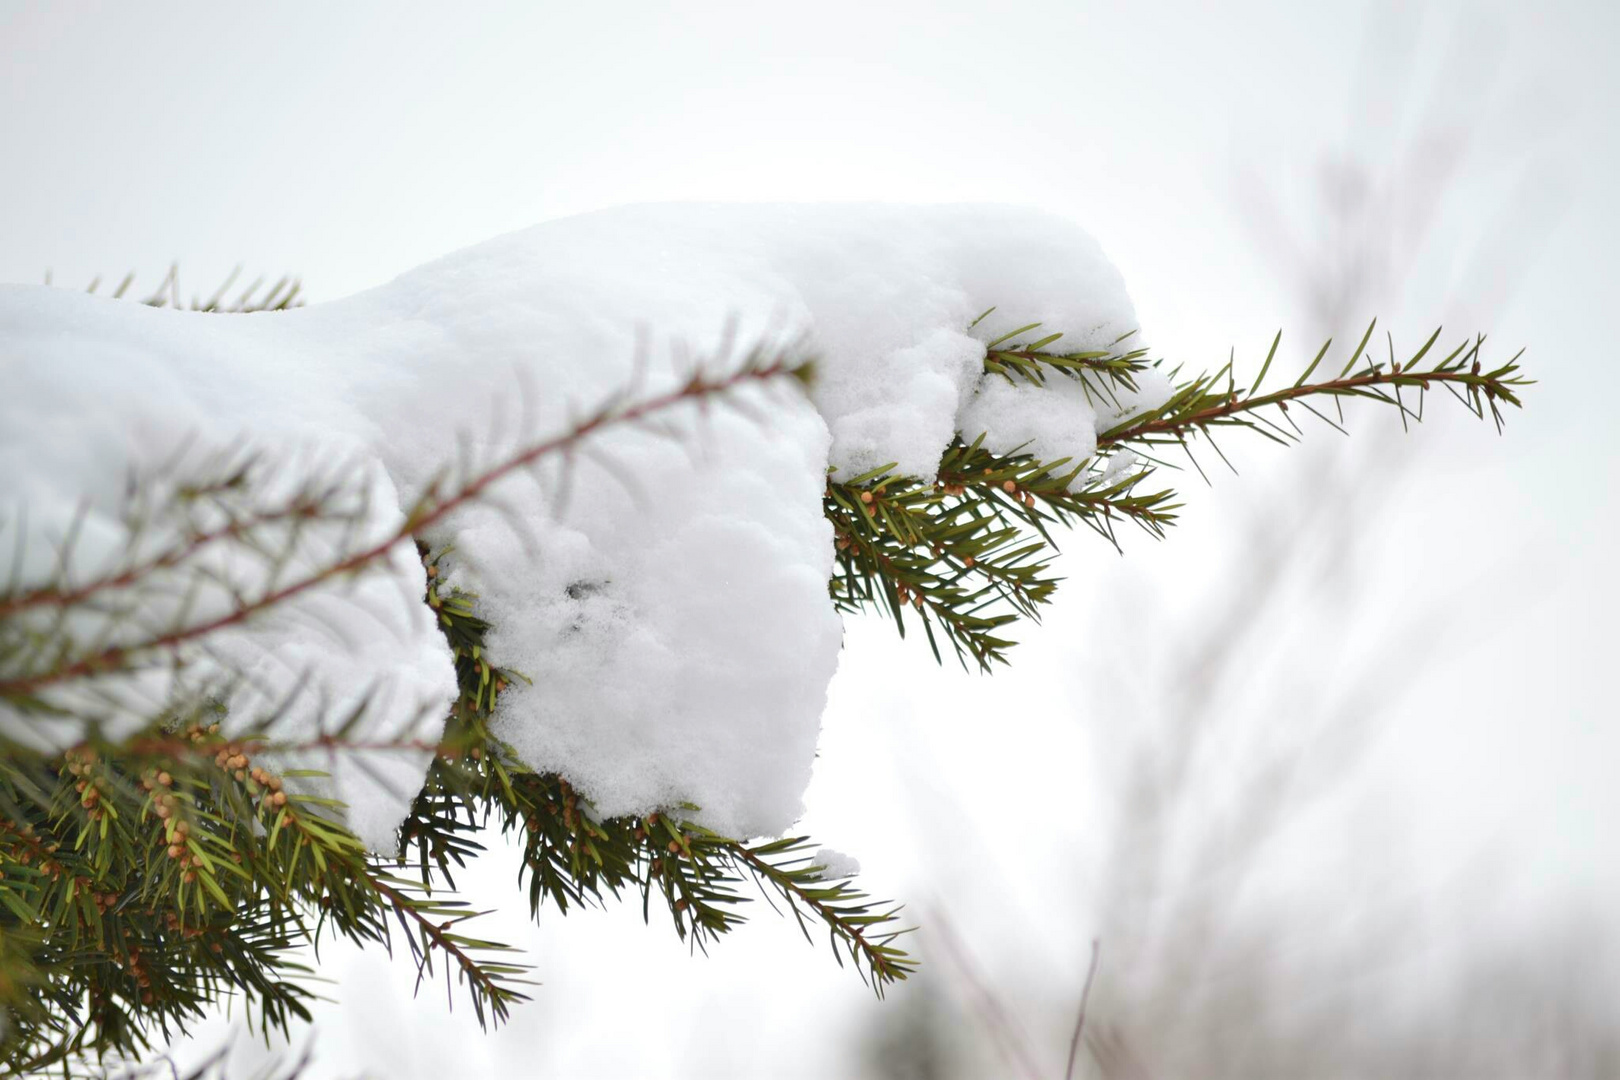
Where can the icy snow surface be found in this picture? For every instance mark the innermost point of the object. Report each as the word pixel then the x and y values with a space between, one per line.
pixel 672 613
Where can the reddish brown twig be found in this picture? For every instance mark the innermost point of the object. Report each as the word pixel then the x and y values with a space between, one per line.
pixel 112 658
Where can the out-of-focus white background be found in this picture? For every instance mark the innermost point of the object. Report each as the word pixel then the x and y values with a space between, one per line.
pixel 1329 773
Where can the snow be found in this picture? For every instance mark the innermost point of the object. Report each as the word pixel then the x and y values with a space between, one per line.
pixel 835 864
pixel 672 611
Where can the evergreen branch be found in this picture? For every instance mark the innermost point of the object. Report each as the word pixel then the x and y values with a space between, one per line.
pixel 849 916
pixel 142 881
pixel 486 982
pixel 232 896
pixel 1104 372
pixel 970 551
pixel 1205 402
pixel 971 554
pixel 299 859
pixel 571 857
pixel 113 896
pixel 431 509
pixel 305 505
pixel 283 295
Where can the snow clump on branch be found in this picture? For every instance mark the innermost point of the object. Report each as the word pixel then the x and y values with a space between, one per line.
pixel 666 597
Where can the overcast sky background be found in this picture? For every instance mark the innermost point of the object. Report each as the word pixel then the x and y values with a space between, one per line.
pixel 348 143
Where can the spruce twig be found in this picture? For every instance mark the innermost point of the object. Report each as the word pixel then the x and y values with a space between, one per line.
pixel 434 506
pixel 174 844
pixel 969 554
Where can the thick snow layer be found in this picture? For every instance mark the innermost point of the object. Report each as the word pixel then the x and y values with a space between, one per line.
pixel 672 612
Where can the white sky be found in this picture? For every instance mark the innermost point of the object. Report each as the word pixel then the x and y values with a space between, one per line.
pixel 347 143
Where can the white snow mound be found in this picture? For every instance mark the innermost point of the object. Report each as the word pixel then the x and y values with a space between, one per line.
pixel 672 612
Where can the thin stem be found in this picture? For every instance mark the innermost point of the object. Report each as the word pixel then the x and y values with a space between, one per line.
pixel 115 657
pixel 1080 1020
pixel 1235 406
pixel 883 970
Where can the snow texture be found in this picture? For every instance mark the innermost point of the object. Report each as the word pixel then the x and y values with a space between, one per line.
pixel 671 611
pixel 835 864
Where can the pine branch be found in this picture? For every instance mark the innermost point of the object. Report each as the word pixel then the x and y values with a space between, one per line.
pixel 283 295
pixel 306 505
pixel 572 858
pixel 1214 400
pixel 176 844
pixel 433 507
pixel 488 982
pixel 851 920
pixel 142 881
pixel 969 554
pixel 1102 374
